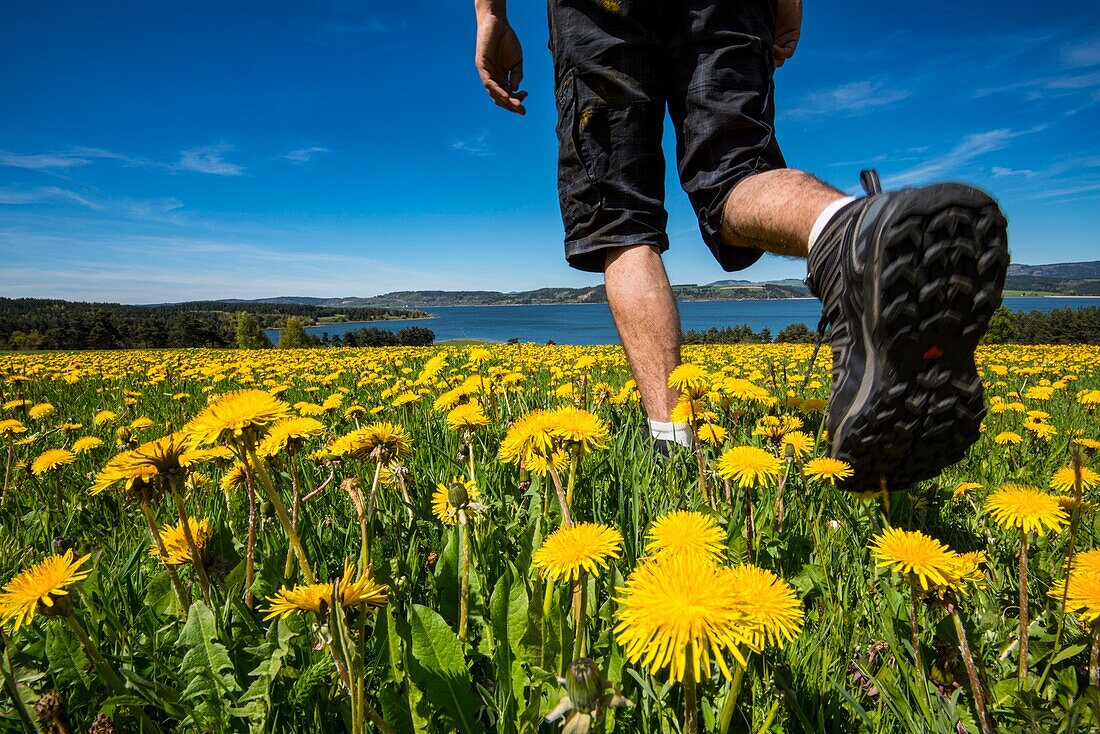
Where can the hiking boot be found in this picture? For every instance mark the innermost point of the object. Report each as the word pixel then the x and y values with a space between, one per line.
pixel 908 281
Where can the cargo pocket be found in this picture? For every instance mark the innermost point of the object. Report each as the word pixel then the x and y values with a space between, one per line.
pixel 577 178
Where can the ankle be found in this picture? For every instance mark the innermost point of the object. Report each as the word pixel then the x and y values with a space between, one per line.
pixel 826 216
pixel 668 431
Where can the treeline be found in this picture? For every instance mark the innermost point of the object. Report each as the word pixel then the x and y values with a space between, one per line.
pixel 294 336
pixel 33 323
pixel 797 333
pixel 1060 326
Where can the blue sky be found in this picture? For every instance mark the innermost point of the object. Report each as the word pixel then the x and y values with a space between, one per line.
pixel 155 152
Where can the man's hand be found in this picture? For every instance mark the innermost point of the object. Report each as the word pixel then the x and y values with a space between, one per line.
pixel 788 29
pixel 499 61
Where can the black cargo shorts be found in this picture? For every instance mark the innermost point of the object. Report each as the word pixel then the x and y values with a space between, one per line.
pixel 617 65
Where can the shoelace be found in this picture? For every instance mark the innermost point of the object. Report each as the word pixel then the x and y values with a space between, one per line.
pixel 869 180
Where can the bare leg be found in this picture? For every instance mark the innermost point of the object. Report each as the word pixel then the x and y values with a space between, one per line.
pixel 774 211
pixel 649 324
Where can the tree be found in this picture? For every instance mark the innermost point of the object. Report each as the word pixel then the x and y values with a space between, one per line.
pixel 797 333
pixel 249 335
pixel 1002 327
pixel 292 335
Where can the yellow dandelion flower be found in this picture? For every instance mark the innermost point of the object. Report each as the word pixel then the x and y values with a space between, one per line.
pixel 579 430
pixel 40 411
pixel 679 612
pixel 828 469
pixel 688 378
pixel 467 416
pixel 1089 443
pixel 305 408
pixel 51 459
pixel 799 441
pixel 235 478
pixel 459 496
pixel 922 560
pixel 104 416
pixel 142 422
pixel 289 434
pixel 748 466
pixel 964 489
pixel 710 433
pixel 245 414
pixel 381 442
pixel 573 550
pixel 85 444
pixel 1005 438
pixel 1065 478
pixel 1082 595
pixel 40 584
pixel 361 591
pixel 686 532
pixel 770 602
pixel 9 428
pixel 175 542
pixel 1027 508
pixel 528 435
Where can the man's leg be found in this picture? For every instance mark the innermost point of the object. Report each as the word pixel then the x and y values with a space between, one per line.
pixel 775 211
pixel 645 314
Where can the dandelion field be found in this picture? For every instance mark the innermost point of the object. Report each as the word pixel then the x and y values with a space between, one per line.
pixel 476 539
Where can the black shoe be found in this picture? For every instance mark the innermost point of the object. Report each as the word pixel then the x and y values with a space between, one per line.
pixel 908 281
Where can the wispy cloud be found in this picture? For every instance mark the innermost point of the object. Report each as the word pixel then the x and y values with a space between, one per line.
pixel 1003 172
pixel 304 155
pixel 848 98
pixel 46 194
pixel 41 161
pixel 478 146
pixel 969 148
pixel 209 159
pixel 1086 53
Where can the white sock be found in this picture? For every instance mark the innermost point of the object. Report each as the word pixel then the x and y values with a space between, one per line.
pixel 678 432
pixel 826 216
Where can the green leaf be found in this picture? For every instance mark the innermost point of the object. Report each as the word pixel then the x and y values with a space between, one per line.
pixel 438 665
pixel 207 670
pixel 1067 653
pixel 256 704
pixel 68 663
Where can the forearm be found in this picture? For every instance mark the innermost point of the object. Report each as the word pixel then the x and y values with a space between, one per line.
pixel 488 8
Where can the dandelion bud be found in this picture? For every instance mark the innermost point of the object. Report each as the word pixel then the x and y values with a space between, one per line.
pixel 457 495
pixel 101 724
pixel 48 708
pixel 788 452
pixel 584 682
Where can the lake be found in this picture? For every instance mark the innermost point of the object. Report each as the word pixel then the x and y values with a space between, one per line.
pixel 590 323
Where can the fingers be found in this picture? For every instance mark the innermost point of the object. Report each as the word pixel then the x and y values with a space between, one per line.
pixel 515 77
pixel 500 90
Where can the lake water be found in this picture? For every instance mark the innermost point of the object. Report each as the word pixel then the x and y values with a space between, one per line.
pixel 590 323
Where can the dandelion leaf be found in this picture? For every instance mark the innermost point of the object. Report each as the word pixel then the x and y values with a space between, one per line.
pixel 439 667
pixel 210 683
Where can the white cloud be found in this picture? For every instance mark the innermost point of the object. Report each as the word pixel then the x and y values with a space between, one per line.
pixel 969 148
pixel 209 159
pixel 1003 172
pixel 848 98
pixel 1086 53
pixel 46 194
pixel 478 146
pixel 304 155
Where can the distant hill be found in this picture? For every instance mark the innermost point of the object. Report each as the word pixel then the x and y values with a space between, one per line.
pixel 1071 271
pixel 1065 279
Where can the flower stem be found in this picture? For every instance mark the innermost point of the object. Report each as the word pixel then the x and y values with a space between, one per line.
pixel 1023 607
pixel 7 473
pixel 691 701
pixel 250 547
pixel 914 631
pixel 113 681
pixel 566 518
pixel 750 526
pixel 574 464
pixel 464 591
pixel 470 452
pixel 730 704
pixel 281 513
pixel 192 546
pixel 12 686
pixel 181 594
pixel 580 593
pixel 295 508
pixel 976 686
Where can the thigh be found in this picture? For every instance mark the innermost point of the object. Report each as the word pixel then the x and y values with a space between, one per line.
pixel 721 103
pixel 609 85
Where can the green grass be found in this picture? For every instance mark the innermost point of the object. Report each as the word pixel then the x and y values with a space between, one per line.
pixel 224 668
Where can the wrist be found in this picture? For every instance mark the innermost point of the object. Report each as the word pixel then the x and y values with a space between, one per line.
pixel 491 10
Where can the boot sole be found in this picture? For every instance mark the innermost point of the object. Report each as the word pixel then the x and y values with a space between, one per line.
pixel 932 281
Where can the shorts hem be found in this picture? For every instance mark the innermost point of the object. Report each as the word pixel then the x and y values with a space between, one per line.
pixel 588 254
